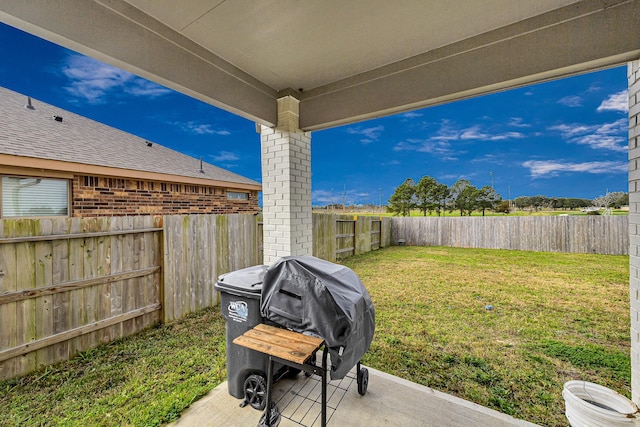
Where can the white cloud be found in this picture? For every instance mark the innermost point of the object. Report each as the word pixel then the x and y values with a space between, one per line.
pixel 225 156
pixel 440 143
pixel 201 128
pixel 518 122
pixel 411 115
pixel 442 149
pixel 94 81
pixel 370 134
pixel 571 101
pixel 609 136
pixel 494 159
pixel 594 87
pixel 324 196
pixel 347 196
pixel 551 168
pixel 146 88
pixel 475 133
pixel 616 102
pixel 390 163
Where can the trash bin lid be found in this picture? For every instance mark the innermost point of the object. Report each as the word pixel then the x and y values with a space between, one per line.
pixel 247 279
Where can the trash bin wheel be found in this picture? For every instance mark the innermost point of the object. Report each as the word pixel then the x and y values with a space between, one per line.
pixel 363 381
pixel 255 391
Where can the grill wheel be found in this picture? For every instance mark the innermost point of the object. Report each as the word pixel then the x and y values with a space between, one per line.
pixel 363 381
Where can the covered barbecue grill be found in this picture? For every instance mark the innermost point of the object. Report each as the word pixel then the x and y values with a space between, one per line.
pixel 323 299
pixel 309 296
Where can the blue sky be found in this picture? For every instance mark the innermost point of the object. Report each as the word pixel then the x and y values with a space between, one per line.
pixel 564 138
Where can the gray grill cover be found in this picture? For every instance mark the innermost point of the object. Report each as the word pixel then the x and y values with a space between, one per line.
pixel 320 298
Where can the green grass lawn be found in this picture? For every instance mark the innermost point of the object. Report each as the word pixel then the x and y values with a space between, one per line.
pixel 504 329
pixel 143 380
pixel 553 317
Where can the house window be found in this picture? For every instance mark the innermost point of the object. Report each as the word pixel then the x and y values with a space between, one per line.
pixel 233 195
pixel 30 197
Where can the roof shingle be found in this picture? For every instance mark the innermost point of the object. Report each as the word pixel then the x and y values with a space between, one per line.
pixel 35 133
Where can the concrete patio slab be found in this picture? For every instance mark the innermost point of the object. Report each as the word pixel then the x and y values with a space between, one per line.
pixel 389 401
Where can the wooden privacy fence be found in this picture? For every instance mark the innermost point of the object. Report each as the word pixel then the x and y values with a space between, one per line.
pixel 69 284
pixel 578 234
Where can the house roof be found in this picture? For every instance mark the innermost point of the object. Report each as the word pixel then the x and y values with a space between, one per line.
pixel 76 140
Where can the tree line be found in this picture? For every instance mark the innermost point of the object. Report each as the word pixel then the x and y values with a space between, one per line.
pixel 609 200
pixel 428 195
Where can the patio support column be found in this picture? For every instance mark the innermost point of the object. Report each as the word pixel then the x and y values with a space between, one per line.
pixel 634 223
pixel 286 185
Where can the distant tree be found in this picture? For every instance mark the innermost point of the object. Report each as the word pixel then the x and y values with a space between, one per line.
pixel 425 194
pixel 616 200
pixel 560 203
pixel 538 202
pixel 608 201
pixel 582 203
pixel 487 198
pixel 623 200
pixel 573 203
pixel 503 207
pixel 441 197
pixel 402 200
pixel 522 202
pixel 464 196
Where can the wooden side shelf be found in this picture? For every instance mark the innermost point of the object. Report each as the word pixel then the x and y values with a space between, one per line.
pixel 281 343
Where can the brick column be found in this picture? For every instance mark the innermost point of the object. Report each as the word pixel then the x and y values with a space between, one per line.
pixel 286 185
pixel 634 223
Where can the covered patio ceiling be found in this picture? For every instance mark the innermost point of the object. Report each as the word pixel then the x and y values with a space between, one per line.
pixel 344 60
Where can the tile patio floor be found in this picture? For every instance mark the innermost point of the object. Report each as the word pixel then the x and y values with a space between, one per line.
pixel 389 401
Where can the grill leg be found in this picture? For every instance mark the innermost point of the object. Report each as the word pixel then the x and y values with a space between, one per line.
pixel 267 409
pixel 324 387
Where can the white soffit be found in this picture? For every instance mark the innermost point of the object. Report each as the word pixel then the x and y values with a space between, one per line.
pixel 306 44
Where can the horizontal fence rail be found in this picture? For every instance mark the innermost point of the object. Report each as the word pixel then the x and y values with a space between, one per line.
pixel 607 235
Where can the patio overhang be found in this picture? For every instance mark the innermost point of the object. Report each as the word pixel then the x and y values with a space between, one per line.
pixel 344 61
pixel 297 66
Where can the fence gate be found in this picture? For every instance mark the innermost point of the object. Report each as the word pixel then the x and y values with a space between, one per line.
pixel 376 234
pixel 345 238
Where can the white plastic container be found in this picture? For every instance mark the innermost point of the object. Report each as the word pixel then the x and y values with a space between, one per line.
pixel 592 405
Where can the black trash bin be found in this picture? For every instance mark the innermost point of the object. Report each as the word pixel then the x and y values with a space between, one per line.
pixel 240 304
pixel 240 293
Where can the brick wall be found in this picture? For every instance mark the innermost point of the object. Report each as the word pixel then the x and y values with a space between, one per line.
pixel 286 185
pixel 100 196
pixel 634 223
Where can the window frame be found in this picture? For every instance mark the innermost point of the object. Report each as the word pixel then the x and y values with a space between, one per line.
pixel 42 177
pixel 243 193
